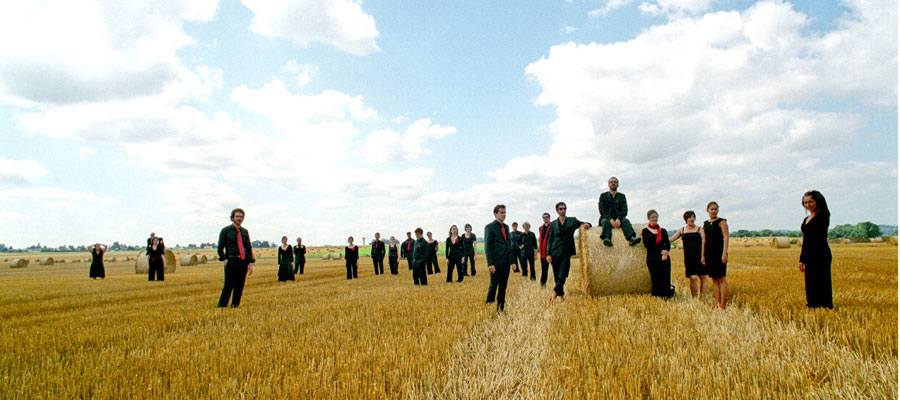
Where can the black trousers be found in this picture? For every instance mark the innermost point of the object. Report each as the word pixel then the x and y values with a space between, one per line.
pixel 392 263
pixel 378 263
pixel 561 269
pixel 660 277
pixel 469 261
pixel 818 285
pixel 526 262
pixel 419 275
pixel 235 276
pixel 513 259
pixel 432 262
pixel 460 270
pixel 607 228
pixel 497 288
pixel 409 261
pixel 544 267
pixel 156 271
pixel 298 266
pixel 351 266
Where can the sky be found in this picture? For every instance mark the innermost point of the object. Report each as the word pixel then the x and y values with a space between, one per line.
pixel 333 118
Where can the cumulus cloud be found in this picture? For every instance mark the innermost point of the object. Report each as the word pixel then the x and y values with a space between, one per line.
pixel 20 171
pixel 340 23
pixel 387 145
pixel 655 7
pixel 54 197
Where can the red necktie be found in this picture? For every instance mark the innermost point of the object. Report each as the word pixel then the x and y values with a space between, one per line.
pixel 240 243
pixel 503 231
pixel 408 243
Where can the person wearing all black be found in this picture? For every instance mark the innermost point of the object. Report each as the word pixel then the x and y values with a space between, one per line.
pixel 97 270
pixel 351 258
pixel 692 240
pixel 469 243
pixel 455 252
pixel 432 255
pixel 561 242
pixel 496 252
pixel 406 250
pixel 378 254
pixel 815 255
pixel 658 262
pixel 613 212
pixel 544 231
pixel 715 252
pixel 527 245
pixel 299 257
pixel 156 261
pixel 150 240
pixel 235 251
pixel 420 251
pixel 285 261
pixel 393 256
pixel 514 247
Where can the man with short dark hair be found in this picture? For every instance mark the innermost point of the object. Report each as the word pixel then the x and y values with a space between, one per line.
pixel 544 230
pixel 406 250
pixel 378 254
pixel 613 210
pixel 497 253
pixel 514 247
pixel 562 246
pixel 237 254
pixel 420 257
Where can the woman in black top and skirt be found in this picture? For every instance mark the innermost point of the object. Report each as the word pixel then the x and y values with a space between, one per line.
pixel 815 255
pixel 393 256
pixel 455 253
pixel 469 242
pixel 351 258
pixel 692 239
pixel 97 251
pixel 299 257
pixel 156 260
pixel 656 240
pixel 285 261
pixel 715 252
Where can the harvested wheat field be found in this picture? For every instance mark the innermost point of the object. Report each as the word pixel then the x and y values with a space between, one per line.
pixel 66 336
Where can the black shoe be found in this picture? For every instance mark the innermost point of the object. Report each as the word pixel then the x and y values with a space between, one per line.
pixel 635 240
pixel 500 307
pixel 607 242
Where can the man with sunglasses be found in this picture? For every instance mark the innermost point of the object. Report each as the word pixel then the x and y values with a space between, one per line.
pixel 561 244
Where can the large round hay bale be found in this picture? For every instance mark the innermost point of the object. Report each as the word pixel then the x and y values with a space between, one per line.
pixel 202 259
pixel 18 263
pixel 781 243
pixel 46 261
pixel 891 240
pixel 142 262
pixel 188 260
pixel 619 269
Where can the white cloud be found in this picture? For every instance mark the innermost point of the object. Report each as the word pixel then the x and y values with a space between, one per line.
pixel 340 23
pixel 85 151
pixel 197 197
pixel 20 171
pixel 675 7
pixel 387 145
pixel 303 72
pixel 54 197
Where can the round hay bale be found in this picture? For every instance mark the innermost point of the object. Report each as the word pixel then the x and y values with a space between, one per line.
pixel 46 261
pixel 142 262
pixel 188 260
pixel 111 259
pixel 876 240
pixel 846 241
pixel 77 260
pixel 781 243
pixel 746 244
pixel 619 269
pixel 61 261
pixel 891 240
pixel 18 263
pixel 202 259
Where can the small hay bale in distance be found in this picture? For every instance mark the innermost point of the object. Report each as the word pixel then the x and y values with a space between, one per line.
pixel 18 263
pixel 142 262
pixel 202 259
pixel 189 260
pixel 620 269
pixel 876 240
pixel 111 259
pixel 46 261
pixel 891 240
pixel 846 241
pixel 781 243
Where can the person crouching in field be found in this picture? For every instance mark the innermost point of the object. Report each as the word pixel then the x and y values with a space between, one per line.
pixel 236 253
pixel 156 260
pixel 692 239
pixel 497 254
pixel 351 258
pixel 285 261
pixel 815 255
pixel 656 240
pixel 562 247
pixel 420 250
pixel 715 252
pixel 455 253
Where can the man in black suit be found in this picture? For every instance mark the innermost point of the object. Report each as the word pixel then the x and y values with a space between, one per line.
pixel 514 247
pixel 561 244
pixel 613 212
pixel 497 253
pixel 236 252
pixel 406 250
pixel 420 257
pixel 378 254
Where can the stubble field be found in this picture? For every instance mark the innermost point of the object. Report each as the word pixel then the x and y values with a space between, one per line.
pixel 66 336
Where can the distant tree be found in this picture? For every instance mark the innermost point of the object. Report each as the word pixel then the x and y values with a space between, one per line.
pixel 841 231
pixel 765 233
pixel 866 230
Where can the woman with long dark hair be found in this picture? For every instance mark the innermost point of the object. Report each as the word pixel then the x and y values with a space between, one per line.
pixel 715 252
pixel 351 258
pixel 469 243
pixel 156 260
pixel 815 255
pixel 393 256
pixel 455 253
pixel 97 251
pixel 285 261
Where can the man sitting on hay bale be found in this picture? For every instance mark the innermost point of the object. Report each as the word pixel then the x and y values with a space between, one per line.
pixel 613 212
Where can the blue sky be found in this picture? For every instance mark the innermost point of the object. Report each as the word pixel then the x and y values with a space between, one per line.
pixel 330 118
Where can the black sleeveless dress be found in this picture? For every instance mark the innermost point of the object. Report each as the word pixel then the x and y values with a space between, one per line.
pixel 693 252
pixel 285 257
pixel 715 243
pixel 97 270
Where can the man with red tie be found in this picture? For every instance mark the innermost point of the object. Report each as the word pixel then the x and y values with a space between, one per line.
pixel 544 231
pixel 406 249
pixel 496 251
pixel 378 254
pixel 237 254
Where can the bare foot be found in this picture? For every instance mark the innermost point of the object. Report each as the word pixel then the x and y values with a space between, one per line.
pixel 552 298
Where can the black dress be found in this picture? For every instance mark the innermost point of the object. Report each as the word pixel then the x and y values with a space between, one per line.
pixel 351 255
pixel 469 246
pixel 715 244
pixel 285 257
pixel 97 270
pixel 299 258
pixel 693 252
pixel 155 270
pixel 393 259
pixel 660 271
pixel 816 256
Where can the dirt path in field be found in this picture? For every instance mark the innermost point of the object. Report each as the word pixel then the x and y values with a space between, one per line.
pixel 505 356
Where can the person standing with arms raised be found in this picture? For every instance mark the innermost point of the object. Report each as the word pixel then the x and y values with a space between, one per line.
pixel 156 260
pixel 562 247
pixel 299 257
pixel 97 270
pixel 393 256
pixel 469 244
pixel 715 252
pixel 613 212
pixel 236 253
pixel 497 254
pixel 406 251
pixel 378 254
pixel 420 251
pixel 544 231
pixel 815 255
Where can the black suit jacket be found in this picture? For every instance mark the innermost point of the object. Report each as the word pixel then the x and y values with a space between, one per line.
pixel 378 249
pixel 560 239
pixel 496 248
pixel 406 249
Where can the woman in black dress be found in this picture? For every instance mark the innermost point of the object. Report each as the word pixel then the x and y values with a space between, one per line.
pixel 527 245
pixel 656 240
pixel 431 261
pixel 692 238
pixel 156 260
pixel 469 242
pixel 97 251
pixel 285 261
pixel 351 258
pixel 299 257
pixel 455 254
pixel 715 252
pixel 815 255
pixel 393 256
